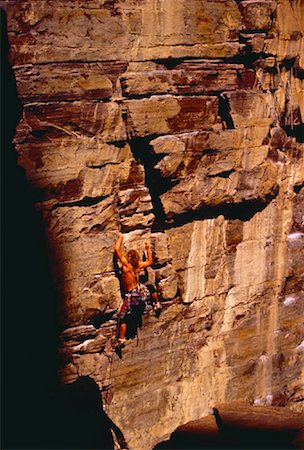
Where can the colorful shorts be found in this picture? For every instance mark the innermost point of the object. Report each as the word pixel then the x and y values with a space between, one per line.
pixel 135 299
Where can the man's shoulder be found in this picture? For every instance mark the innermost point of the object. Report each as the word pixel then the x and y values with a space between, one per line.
pixel 126 265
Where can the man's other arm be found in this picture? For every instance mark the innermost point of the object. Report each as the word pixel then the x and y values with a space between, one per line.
pixel 149 261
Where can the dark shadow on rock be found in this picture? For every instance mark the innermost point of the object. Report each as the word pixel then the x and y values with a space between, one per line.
pixel 296 131
pixel 118 352
pixel 28 311
pixel 224 111
pixel 118 274
pixel 157 185
pixel 246 429
pixel 80 421
pixel 231 211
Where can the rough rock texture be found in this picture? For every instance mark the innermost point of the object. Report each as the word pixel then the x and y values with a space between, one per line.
pixel 178 122
pixel 241 426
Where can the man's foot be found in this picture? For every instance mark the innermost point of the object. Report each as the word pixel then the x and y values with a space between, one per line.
pixel 120 343
pixel 157 308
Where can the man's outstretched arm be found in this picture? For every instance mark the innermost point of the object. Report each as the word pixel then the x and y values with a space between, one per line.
pixel 118 251
pixel 149 261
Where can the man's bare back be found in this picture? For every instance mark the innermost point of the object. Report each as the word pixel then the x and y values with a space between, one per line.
pixel 129 278
pixel 130 273
pixel 131 268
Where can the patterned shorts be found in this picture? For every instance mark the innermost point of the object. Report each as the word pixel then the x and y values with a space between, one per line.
pixel 134 300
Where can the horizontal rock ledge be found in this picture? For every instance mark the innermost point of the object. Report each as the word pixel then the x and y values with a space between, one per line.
pixel 241 426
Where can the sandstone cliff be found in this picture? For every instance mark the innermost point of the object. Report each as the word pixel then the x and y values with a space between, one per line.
pixel 181 123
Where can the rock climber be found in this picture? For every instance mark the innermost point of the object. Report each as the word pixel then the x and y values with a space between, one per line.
pixel 135 294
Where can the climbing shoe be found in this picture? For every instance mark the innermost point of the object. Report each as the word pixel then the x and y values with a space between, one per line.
pixel 120 343
pixel 157 306
pixel 157 309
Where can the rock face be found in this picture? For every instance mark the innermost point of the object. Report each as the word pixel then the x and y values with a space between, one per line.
pixel 240 426
pixel 181 123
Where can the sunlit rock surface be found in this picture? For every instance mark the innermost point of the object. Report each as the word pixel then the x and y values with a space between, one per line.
pixel 181 123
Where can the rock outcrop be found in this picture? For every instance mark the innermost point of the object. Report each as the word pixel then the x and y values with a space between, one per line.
pixel 180 123
pixel 241 426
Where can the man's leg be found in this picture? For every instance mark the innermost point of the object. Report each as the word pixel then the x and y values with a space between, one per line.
pixel 156 302
pixel 120 340
pixel 122 331
pixel 121 327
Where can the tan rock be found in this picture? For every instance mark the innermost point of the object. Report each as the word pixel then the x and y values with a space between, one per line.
pixel 166 281
pixel 49 161
pixel 134 31
pixel 163 114
pixel 220 188
pixel 84 31
pixel 135 208
pixel 177 123
pixel 69 81
pixel 79 333
pixel 257 14
pixel 183 81
pixel 254 41
pixel 160 248
pixel 72 119
pixel 238 424
pixel 198 259
pixel 249 108
pixel 91 345
pixel 288 41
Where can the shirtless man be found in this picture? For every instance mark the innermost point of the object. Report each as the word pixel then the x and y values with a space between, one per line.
pixel 135 293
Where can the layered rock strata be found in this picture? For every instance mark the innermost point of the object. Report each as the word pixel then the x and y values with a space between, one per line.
pixel 178 123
